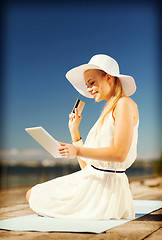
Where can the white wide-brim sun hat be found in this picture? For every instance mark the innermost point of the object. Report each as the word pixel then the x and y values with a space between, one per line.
pixel 102 62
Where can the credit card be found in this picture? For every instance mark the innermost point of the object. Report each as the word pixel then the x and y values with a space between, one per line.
pixel 79 105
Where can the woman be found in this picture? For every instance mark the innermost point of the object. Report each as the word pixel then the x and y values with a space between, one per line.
pixel 100 190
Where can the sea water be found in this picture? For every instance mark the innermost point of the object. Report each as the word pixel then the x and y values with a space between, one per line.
pixel 18 176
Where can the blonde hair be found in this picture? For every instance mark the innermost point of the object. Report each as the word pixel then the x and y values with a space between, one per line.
pixel 118 92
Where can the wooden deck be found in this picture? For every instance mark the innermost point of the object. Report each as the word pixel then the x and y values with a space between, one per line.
pixel 149 227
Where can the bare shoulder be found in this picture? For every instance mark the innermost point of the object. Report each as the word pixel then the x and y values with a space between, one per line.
pixel 129 105
pixel 126 101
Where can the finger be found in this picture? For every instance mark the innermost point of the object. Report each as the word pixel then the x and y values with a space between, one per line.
pixel 61 148
pixel 71 116
pixel 64 154
pixel 76 112
pixel 62 144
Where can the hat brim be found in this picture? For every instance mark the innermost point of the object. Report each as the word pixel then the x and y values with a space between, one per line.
pixel 76 78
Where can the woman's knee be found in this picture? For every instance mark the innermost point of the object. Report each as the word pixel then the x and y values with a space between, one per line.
pixel 28 194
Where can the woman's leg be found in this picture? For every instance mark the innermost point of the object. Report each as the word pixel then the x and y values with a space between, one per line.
pixel 28 194
pixel 28 197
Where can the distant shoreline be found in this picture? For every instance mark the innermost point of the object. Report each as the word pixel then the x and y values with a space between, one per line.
pixel 19 175
pixel 64 162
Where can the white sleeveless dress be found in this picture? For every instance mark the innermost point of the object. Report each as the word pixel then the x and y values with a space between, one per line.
pixel 90 193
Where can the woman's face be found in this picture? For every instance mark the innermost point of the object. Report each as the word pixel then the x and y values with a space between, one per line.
pixel 98 85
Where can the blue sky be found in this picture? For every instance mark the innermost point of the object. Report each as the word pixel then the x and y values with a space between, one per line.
pixel 44 41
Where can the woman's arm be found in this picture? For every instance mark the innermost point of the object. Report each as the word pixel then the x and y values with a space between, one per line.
pixel 81 163
pixel 123 133
pixel 74 122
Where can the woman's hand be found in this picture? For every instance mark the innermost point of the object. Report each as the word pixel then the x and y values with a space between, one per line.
pixel 67 150
pixel 74 121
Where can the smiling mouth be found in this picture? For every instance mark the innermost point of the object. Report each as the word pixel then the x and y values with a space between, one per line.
pixel 94 94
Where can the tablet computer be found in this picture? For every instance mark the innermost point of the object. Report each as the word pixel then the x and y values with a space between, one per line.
pixel 45 140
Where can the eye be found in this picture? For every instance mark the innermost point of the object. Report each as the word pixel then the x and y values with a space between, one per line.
pixel 92 83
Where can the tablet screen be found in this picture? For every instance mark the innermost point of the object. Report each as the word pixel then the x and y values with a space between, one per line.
pixel 45 140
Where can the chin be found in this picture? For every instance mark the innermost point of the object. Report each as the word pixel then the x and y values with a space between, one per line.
pixel 98 100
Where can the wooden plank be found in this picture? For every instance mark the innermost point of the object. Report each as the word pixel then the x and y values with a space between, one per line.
pixel 137 229
pixel 14 204
pixel 157 235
